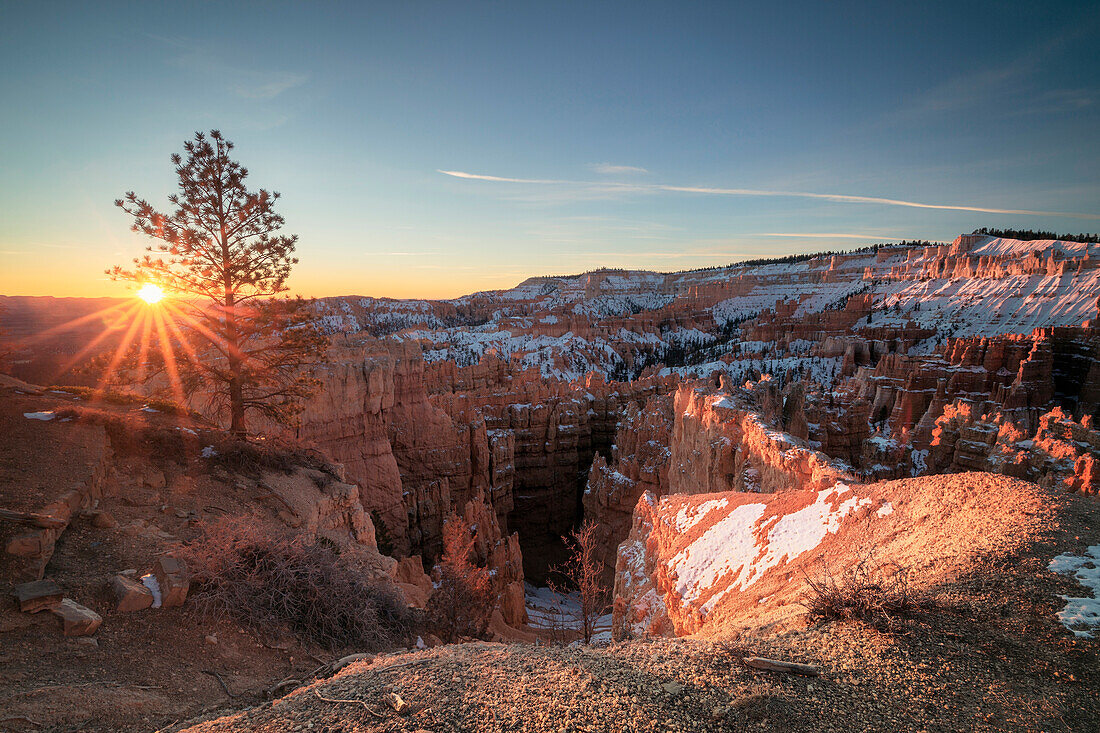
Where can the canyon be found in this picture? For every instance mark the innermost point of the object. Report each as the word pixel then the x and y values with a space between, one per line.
pixel 729 433
pixel 567 398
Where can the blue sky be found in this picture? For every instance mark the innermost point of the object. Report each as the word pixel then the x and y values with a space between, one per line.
pixel 599 114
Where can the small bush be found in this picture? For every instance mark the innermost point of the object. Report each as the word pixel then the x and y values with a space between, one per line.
pixel 878 593
pixel 239 570
pixel 252 457
pixel 462 601
pixel 584 572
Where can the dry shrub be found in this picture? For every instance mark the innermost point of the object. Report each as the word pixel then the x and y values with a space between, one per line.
pixel 253 457
pixel 462 601
pixel 583 572
pixel 241 570
pixel 878 593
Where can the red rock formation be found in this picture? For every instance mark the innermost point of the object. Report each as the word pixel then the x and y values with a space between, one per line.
pixel 412 461
pixel 347 421
pixel 722 562
pixel 501 554
pixel 639 463
pixel 1060 452
pixel 719 445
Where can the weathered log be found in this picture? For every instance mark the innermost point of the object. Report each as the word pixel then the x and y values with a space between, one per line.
pixel 32 519
pixel 774 665
pixel 398 703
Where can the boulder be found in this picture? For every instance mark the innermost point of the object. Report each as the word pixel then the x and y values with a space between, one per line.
pixel 415 585
pixel 38 595
pixel 174 580
pixel 103 520
pixel 130 595
pixel 78 620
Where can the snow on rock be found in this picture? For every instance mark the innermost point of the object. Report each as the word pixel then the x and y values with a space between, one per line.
pixel 1081 615
pixel 43 416
pixel 727 544
pixel 707 562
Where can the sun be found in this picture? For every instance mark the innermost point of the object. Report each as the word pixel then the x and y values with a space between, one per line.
pixel 150 293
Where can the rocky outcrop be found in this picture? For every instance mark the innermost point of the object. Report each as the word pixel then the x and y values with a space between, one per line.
pixel 60 469
pixel 718 444
pixel 724 562
pixel 501 554
pixel 1061 453
pixel 412 460
pixel 639 463
pixel 346 419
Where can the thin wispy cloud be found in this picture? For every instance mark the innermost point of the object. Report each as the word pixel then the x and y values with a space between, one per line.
pixel 259 85
pixel 1011 86
pixel 500 179
pixel 197 57
pixel 712 191
pixel 608 169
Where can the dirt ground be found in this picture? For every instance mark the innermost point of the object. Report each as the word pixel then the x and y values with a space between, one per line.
pixel 142 670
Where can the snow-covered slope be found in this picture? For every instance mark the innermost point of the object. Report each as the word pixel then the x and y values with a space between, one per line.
pixel 715 562
pixel 616 321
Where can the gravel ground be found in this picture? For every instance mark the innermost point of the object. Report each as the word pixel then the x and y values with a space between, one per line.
pixel 934 674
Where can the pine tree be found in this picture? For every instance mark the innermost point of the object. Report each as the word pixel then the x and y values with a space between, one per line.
pixel 221 252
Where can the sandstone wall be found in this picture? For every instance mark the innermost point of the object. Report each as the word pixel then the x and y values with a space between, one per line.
pixel 638 463
pixel 720 445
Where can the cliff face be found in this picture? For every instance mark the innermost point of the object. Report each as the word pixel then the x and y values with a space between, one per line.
pixel 718 444
pixel 347 421
pixel 639 463
pixel 501 554
pixel 412 461
pixel 728 561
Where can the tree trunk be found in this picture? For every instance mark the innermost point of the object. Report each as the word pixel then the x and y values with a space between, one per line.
pixel 236 387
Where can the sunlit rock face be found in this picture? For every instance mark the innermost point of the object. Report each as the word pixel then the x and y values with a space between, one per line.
pixel 719 444
pixel 720 563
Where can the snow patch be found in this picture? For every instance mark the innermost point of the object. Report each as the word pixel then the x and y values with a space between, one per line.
pixel 739 548
pixel 43 416
pixel 1080 614
pixel 150 582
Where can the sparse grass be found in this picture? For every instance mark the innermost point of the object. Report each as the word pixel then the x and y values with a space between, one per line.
pixel 121 398
pixel 130 436
pixel 877 593
pixel 245 573
pixel 253 457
